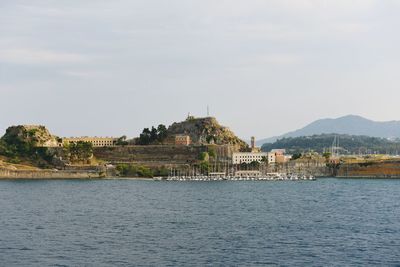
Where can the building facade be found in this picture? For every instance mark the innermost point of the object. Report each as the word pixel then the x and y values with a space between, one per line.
pixel 280 156
pixel 182 140
pixel 95 141
pixel 248 157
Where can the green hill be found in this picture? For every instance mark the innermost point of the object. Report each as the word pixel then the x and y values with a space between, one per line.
pixel 349 144
pixel 206 130
pixel 28 144
pixel 202 131
pixel 351 125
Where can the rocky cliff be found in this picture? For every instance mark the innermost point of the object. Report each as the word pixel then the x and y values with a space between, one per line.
pixel 36 135
pixel 29 145
pixel 206 131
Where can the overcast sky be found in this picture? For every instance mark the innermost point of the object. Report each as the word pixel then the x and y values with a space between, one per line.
pixel 265 67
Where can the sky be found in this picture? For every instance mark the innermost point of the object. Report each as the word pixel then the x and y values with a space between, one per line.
pixel 264 67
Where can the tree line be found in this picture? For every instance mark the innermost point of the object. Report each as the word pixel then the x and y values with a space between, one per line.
pixel 349 144
pixel 153 135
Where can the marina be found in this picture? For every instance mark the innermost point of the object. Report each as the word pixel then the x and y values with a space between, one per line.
pixel 267 177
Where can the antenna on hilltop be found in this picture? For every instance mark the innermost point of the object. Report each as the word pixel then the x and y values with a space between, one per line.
pixel 208 111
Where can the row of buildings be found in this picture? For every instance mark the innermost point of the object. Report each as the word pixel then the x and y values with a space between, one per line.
pixel 275 156
pixel 95 141
pixel 179 140
pixel 255 155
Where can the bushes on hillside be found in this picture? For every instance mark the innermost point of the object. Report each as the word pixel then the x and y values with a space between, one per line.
pixel 18 150
pixel 79 152
pixel 130 170
pixel 133 170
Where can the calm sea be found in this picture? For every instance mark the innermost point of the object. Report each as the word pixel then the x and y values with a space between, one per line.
pixel 329 222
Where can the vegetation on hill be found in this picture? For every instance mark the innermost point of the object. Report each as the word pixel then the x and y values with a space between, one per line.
pixel 352 125
pixel 134 170
pixel 28 144
pixel 80 152
pixel 153 136
pixel 206 131
pixel 34 135
pixel 122 141
pixel 349 144
pixel 25 144
pixel 200 130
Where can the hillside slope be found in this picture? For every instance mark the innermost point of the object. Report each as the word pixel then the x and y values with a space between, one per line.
pixel 349 144
pixel 206 130
pixel 37 135
pixel 28 145
pixel 351 124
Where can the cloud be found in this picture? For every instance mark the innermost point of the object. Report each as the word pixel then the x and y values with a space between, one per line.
pixel 282 59
pixel 31 56
pixel 274 60
pixel 349 28
pixel 83 74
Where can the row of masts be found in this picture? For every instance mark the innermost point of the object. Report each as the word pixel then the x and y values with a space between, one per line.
pixel 267 177
pixel 227 169
pixel 335 149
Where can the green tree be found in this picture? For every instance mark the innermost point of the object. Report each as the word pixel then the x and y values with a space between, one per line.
pixel 243 166
pixel 80 151
pixel 296 156
pixel 205 167
pixel 264 159
pixel 153 134
pixel 327 156
pixel 162 132
pixel 131 170
pixel 145 137
pixel 254 165
pixel 211 152
pixel 204 156
pixel 121 141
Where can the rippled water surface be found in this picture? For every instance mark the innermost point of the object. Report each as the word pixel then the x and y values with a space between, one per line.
pixel 145 223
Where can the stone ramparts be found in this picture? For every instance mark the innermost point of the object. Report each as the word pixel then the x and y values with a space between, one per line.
pixel 49 174
pixel 372 169
pixel 149 154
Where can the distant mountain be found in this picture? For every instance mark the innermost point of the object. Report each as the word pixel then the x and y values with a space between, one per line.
pixel 351 125
pixel 349 144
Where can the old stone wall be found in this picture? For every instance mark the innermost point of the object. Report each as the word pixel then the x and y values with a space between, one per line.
pixel 149 154
pixel 314 168
pixel 373 169
pixel 49 174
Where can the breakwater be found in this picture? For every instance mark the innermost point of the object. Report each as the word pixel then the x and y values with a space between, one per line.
pixel 50 174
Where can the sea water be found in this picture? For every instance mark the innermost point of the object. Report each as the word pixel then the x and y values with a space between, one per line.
pixel 329 222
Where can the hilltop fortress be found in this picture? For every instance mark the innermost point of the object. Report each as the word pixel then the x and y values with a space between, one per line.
pixel 182 145
pixel 192 131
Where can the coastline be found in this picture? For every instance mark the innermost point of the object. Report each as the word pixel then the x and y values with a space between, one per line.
pixel 7 174
pixel 369 177
pixel 76 174
pixel 49 174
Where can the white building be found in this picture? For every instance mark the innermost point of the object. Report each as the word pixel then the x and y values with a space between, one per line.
pixel 271 157
pixel 249 157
